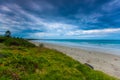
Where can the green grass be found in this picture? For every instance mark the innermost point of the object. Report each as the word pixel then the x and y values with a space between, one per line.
pixel 39 63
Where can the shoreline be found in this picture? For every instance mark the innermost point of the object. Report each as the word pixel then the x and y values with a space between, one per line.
pixel 115 50
pixel 108 63
pixel 88 47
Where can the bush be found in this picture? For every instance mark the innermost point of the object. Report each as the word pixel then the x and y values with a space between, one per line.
pixel 41 45
pixel 18 42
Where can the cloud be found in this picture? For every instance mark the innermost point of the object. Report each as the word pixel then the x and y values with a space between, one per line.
pixel 5 8
pixel 34 23
pixel 77 33
pixel 111 6
pixel 43 35
pixel 20 21
pixel 59 27
pixel 51 18
pixel 54 30
pixel 40 6
pixel 94 32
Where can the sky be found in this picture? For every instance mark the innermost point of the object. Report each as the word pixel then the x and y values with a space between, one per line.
pixel 61 19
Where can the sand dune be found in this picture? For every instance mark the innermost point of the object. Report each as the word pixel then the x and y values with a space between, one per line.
pixel 107 63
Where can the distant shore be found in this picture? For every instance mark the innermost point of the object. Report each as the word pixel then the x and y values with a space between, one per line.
pixel 107 63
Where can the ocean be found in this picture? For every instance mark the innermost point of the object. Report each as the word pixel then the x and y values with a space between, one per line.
pixel 108 46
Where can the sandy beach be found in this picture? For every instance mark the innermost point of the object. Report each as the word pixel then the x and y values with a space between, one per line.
pixel 107 63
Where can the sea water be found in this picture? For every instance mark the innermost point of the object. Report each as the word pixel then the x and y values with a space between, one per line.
pixel 108 46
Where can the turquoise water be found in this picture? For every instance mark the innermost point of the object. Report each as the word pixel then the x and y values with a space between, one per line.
pixel 112 46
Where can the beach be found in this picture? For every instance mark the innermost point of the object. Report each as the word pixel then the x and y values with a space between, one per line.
pixel 108 63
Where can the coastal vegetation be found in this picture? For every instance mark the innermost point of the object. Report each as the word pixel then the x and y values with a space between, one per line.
pixel 22 60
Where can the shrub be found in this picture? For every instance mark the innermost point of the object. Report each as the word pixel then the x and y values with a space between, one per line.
pixel 18 42
pixel 41 45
